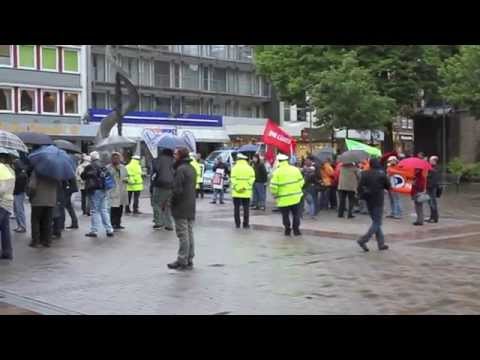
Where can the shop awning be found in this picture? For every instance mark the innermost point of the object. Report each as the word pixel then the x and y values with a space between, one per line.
pixel 211 135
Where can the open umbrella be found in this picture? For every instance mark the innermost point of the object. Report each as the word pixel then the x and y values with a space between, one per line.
pixel 353 156
pixel 115 142
pixel 12 152
pixel 249 148
pixel 33 138
pixel 324 154
pixel 356 145
pixel 12 141
pixel 67 146
pixel 52 162
pixel 172 142
pixel 415 163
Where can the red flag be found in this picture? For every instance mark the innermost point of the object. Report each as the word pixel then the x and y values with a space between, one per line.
pixel 276 136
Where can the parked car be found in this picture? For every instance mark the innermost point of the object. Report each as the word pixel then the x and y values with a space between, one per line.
pixel 227 156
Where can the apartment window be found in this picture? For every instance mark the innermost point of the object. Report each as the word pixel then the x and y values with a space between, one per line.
pixel 218 51
pixel 244 83
pixel 245 110
pixel 176 74
pixel 191 106
pixel 26 57
pixel 70 103
pixel 218 108
pixel 144 72
pixel 6 100
pixel 245 53
pixel 162 104
pixel 6 57
pixel 258 111
pixel 219 80
pixel 191 50
pixel 206 78
pixel 190 77
pixel 99 67
pixel 49 102
pixel 146 103
pixel 71 60
pixel 410 123
pixel 162 74
pixel 49 58
pixel 176 105
pixel 404 123
pixel 27 99
pixel 256 85
pixel 99 101
pixel 265 88
pixel 231 82
pixel 286 112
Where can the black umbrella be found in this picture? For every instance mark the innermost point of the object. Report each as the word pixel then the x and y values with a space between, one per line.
pixel 67 146
pixel 32 138
pixel 353 156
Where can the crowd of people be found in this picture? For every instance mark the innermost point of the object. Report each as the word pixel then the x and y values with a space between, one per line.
pixel 110 190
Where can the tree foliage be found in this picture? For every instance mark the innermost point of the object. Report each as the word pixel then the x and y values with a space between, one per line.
pixel 461 77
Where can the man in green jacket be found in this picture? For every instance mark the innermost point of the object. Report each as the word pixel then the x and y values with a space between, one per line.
pixel 242 179
pixel 286 186
pixel 135 183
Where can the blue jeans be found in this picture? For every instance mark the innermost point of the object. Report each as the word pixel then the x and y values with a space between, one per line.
pixel 396 209
pixel 324 199
pixel 259 194
pixel 216 192
pixel 310 196
pixel 99 211
pixel 376 214
pixel 5 233
pixel 19 210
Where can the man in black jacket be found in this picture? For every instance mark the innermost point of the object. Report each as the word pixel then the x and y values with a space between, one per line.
pixel 183 209
pixel 260 185
pixel 21 180
pixel 161 189
pixel 433 186
pixel 372 185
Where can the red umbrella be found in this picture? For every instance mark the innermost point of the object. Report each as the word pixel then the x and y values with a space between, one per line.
pixel 415 163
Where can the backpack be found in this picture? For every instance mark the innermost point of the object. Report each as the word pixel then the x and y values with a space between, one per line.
pixel 107 182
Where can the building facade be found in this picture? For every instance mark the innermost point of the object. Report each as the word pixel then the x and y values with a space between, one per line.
pixel 43 88
pixel 186 87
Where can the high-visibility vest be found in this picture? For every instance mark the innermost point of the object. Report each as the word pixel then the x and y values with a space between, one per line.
pixel 286 184
pixel 242 179
pixel 135 176
pixel 198 171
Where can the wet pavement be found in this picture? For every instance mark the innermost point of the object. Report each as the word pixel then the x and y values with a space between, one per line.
pixel 432 270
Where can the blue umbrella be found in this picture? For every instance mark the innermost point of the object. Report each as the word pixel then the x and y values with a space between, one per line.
pixel 249 148
pixel 52 162
pixel 170 141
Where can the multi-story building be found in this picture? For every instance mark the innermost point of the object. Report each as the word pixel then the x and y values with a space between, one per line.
pixel 43 88
pixel 211 90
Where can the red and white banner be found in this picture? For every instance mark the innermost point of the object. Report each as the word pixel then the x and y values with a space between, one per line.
pixel 275 136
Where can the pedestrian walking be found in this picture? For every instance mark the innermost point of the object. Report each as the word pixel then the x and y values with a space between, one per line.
pixel 58 223
pixel 419 195
pixel 433 189
pixel 309 187
pixel 242 179
pixel 162 189
pixel 118 196
pixel 7 185
pixel 394 197
pixel 42 193
pixel 183 209
pixel 260 184
pixel 21 180
pixel 286 186
pixel 81 184
pixel 95 176
pixel 347 187
pixel 135 184
pixel 71 188
pixel 373 183
pixel 220 170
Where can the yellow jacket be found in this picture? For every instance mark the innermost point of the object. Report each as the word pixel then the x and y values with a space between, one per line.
pixel 242 179
pixel 135 176
pixel 287 185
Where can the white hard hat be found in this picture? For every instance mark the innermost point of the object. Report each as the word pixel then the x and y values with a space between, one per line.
pixel 241 156
pixel 282 157
pixel 94 155
pixel 136 157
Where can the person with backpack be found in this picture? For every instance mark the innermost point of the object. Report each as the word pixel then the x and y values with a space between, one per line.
pixel 162 185
pixel 97 182
pixel 118 196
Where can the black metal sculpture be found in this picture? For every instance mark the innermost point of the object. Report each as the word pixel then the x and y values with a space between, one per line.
pixel 104 140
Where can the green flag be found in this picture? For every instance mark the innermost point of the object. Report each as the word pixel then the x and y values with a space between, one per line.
pixel 356 145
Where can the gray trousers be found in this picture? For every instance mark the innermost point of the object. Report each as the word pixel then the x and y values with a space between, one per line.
pixel 162 216
pixel 419 211
pixel 186 250
pixel 19 210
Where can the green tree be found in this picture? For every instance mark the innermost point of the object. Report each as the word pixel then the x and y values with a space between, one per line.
pixel 461 77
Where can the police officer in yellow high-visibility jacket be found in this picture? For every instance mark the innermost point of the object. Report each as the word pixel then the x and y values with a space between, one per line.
pixel 286 187
pixel 242 179
pixel 198 171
